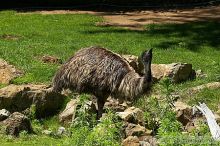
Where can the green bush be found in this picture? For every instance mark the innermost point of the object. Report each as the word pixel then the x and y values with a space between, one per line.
pixel 106 133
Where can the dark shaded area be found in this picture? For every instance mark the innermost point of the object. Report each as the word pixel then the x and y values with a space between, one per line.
pixel 189 35
pixel 101 5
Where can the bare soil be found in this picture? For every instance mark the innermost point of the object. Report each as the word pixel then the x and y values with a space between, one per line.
pixel 136 19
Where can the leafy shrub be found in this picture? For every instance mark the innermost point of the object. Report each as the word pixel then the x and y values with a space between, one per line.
pixel 169 124
pixel 106 133
pixel 158 111
pixel 87 131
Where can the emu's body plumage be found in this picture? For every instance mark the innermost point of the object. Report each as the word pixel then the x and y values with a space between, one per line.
pixel 102 73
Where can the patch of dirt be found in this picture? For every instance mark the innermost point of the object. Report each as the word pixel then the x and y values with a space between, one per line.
pixel 10 37
pixel 137 19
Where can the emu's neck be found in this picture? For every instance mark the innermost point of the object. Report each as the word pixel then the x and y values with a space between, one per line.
pixel 131 85
pixel 148 75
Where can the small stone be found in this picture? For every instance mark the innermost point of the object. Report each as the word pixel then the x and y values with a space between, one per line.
pixel 51 59
pixel 144 143
pixel 115 105
pixel 195 124
pixel 131 141
pixel 217 118
pixel 61 131
pixel 8 72
pixel 153 142
pixel 148 140
pixel 69 112
pixel 200 74
pixel 190 128
pixel 184 112
pixel 136 130
pixel 90 107
pixel 47 132
pixel 16 123
pixel 145 137
pixel 132 115
pixel 4 114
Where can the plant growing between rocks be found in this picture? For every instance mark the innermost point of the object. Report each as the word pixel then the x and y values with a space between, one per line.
pixel 158 110
pixel 86 130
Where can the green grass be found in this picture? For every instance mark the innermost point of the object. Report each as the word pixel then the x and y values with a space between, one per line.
pixel 62 35
pixel 210 96
pixel 25 38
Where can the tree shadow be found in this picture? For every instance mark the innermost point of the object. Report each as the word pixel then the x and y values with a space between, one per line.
pixel 192 35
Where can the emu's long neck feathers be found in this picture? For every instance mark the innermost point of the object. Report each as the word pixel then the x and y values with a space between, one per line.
pixel 148 75
pixel 131 85
pixel 147 66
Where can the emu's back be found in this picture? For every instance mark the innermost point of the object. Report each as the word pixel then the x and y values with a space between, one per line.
pixel 92 70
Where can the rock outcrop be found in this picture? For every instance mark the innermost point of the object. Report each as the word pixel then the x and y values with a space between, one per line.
pixel 20 97
pixel 177 72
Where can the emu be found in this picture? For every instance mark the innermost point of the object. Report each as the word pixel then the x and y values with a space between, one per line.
pixel 98 71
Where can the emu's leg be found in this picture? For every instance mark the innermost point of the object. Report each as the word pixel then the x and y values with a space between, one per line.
pixel 100 103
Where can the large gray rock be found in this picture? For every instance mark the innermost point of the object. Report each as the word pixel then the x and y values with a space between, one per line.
pixel 8 72
pixel 20 97
pixel 4 114
pixel 16 123
pixel 177 72
pixel 132 115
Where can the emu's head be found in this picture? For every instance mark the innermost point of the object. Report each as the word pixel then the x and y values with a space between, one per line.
pixel 146 56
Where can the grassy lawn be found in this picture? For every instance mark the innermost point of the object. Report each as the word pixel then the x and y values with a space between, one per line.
pixel 25 38
pixel 62 35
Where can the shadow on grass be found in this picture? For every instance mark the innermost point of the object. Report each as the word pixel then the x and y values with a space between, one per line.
pixel 191 36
